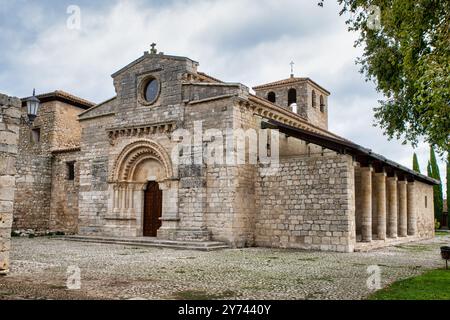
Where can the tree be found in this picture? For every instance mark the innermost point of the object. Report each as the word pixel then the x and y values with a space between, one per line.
pixel 438 196
pixel 416 166
pixel 407 55
pixel 448 184
pixel 429 171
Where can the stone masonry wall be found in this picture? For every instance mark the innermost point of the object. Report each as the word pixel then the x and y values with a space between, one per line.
pixel 64 196
pixel 33 180
pixel 425 212
pixel 93 169
pixel 59 130
pixel 309 205
pixel 9 134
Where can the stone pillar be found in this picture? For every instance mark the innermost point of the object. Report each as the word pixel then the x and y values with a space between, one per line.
pixel 170 218
pixel 9 134
pixel 380 185
pixel 411 210
pixel 402 209
pixel 392 207
pixel 366 204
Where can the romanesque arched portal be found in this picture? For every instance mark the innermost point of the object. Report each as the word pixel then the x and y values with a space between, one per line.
pixel 140 164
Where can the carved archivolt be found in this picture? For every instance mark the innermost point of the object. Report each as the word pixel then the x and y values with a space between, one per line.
pixel 135 153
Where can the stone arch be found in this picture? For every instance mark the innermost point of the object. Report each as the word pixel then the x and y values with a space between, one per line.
pixel 292 96
pixel 137 152
pixel 271 96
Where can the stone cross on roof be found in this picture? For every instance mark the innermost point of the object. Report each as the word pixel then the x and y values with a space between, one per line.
pixel 292 68
pixel 153 49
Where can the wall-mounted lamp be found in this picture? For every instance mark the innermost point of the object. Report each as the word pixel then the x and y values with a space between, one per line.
pixel 33 104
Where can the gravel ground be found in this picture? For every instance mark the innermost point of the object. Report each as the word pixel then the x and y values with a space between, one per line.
pixel 39 271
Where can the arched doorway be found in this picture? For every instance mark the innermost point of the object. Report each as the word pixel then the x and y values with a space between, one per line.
pixel 153 198
pixel 139 207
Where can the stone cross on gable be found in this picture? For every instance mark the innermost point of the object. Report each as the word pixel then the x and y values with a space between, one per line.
pixel 153 49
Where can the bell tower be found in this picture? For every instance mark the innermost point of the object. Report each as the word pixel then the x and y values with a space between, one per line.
pixel 302 96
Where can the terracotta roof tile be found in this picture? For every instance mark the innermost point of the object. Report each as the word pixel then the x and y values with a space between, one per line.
pixel 64 97
pixel 288 81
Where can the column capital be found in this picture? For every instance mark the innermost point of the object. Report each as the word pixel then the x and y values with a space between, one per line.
pixel 394 178
pixel 381 174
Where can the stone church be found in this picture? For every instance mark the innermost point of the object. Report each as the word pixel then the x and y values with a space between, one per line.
pixel 107 170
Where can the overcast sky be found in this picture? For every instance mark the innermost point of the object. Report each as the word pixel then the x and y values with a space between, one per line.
pixel 247 41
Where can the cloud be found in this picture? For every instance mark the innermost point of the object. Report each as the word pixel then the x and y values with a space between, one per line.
pixel 245 41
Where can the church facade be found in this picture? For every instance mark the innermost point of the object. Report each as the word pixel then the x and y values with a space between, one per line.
pixel 135 166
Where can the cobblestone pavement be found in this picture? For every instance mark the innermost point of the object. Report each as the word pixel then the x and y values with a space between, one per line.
pixel 39 271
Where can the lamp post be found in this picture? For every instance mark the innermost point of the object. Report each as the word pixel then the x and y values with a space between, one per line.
pixel 33 104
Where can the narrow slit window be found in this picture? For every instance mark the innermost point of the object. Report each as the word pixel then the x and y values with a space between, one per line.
pixel 322 104
pixel 71 171
pixel 292 97
pixel 36 135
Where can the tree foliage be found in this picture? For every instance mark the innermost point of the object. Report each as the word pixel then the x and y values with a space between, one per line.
pixel 407 55
pixel 416 166
pixel 448 184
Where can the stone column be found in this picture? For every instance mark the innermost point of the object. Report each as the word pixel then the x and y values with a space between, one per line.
pixel 402 209
pixel 380 185
pixel 392 207
pixel 9 133
pixel 366 204
pixel 170 217
pixel 411 210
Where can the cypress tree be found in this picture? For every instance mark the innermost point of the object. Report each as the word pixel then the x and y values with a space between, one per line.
pixel 416 166
pixel 429 171
pixel 438 195
pixel 448 184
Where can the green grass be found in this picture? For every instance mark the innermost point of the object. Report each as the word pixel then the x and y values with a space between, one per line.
pixel 433 285
pixel 414 247
pixel 442 233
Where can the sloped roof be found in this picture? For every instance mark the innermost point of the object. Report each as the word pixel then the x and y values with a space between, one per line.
pixel 291 80
pixel 63 96
pixel 345 147
pixel 150 55
pixel 207 76
pixel 97 106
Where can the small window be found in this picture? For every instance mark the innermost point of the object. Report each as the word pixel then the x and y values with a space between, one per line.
pixel 322 104
pixel 426 202
pixel 272 97
pixel 36 135
pixel 292 97
pixel 70 171
pixel 314 102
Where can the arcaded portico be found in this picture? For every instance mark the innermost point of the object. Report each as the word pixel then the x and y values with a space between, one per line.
pixel 390 205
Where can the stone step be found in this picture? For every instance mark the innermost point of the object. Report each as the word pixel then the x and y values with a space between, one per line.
pixel 152 242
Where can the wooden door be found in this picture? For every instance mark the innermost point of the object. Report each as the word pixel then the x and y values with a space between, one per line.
pixel 152 210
